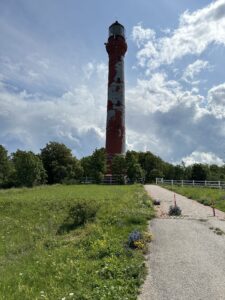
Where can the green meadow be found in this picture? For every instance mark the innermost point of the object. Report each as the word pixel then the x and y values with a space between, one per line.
pixel 70 242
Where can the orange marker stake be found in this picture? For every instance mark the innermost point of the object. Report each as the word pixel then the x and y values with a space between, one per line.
pixel 213 208
pixel 175 202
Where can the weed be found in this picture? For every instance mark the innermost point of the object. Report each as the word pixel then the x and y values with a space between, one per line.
pixel 219 231
pixel 174 211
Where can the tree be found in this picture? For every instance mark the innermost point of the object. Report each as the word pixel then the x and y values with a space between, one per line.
pixel 215 173
pixel 134 170
pixel 98 165
pixel 4 166
pixel 179 172
pixel 60 163
pixel 168 171
pixel 155 173
pixel 150 162
pixel 86 165
pixel 29 170
pixel 199 172
pixel 188 172
pixel 119 167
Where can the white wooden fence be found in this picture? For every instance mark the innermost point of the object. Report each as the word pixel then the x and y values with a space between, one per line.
pixel 200 183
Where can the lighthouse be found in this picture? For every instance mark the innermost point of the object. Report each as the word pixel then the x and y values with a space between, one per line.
pixel 116 48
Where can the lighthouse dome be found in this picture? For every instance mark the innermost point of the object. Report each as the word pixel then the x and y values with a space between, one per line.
pixel 116 29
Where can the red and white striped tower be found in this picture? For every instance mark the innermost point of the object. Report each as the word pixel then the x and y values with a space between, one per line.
pixel 115 126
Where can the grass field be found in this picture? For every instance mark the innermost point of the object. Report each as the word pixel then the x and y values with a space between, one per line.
pixel 45 254
pixel 202 195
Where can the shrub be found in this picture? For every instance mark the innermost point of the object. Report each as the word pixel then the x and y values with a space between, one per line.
pixel 78 215
pixel 174 210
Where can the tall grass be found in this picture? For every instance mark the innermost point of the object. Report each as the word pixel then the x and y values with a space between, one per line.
pixel 203 195
pixel 88 260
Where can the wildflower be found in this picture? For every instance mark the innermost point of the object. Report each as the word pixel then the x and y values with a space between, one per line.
pixel 71 294
pixel 21 274
pixel 139 244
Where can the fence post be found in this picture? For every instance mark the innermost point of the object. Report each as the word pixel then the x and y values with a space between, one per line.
pixel 172 181
pixel 182 182
pixel 156 181
pixel 219 184
pixel 193 182
pixel 205 183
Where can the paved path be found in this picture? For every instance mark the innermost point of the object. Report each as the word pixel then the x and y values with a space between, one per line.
pixel 187 258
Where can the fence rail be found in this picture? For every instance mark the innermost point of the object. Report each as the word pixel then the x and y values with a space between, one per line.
pixel 205 183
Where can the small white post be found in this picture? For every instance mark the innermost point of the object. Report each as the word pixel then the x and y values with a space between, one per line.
pixel 193 182
pixel 182 182
pixel 172 181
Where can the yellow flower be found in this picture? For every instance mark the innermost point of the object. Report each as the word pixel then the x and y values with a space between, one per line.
pixel 139 244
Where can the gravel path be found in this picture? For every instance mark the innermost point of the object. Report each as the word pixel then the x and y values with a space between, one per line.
pixel 187 257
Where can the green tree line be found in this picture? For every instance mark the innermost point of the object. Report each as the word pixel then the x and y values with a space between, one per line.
pixel 56 164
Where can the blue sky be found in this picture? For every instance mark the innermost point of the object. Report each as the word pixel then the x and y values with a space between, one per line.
pixel 53 75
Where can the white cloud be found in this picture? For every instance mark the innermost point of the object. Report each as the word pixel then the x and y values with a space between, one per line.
pixel 171 121
pixel 141 35
pixel 196 31
pixel 203 158
pixel 151 95
pixel 216 100
pixel 161 94
pixel 77 117
pixel 194 69
pixel 161 117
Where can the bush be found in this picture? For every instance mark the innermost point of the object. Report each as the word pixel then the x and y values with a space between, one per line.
pixel 174 210
pixel 78 215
